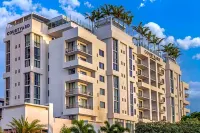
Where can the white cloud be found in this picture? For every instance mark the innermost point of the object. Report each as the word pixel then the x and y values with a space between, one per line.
pixel 194 89
pixel 196 57
pixel 143 3
pixel 189 42
pixel 160 32
pixel 88 4
pixel 25 5
pixel 49 13
pixel 72 3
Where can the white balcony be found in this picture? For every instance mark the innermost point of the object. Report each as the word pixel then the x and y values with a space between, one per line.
pixel 142 75
pixel 79 91
pixel 142 65
pixel 186 102
pixel 79 63
pixel 79 77
pixel 78 50
pixel 161 71
pixel 143 85
pixel 161 81
pixel 144 107
pixel 78 108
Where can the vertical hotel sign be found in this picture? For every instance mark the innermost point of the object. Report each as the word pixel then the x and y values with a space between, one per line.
pixel 18 30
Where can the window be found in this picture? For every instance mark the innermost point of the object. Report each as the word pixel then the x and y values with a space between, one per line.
pixel 27 79
pixel 7 83
pixel 101 52
pixel 101 78
pixel 171 81
pixel 27 50
pixel 37 51
pixel 71 57
pixel 102 104
pixel 27 87
pixel 83 48
pixel 70 47
pixel 116 94
pixel 173 109
pixel 36 88
pixel 82 72
pixel 102 91
pixel 101 65
pixel 7 91
pixel 83 59
pixel 8 56
pixel 18 70
pixel 71 71
pixel 115 55
pixel 132 98
pixel 130 62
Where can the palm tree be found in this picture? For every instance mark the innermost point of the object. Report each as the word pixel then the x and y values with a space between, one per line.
pixel 108 128
pixel 143 32
pixel 121 129
pixel 154 40
pixel 106 10
pixel 138 29
pixel 98 14
pixel 175 52
pixel 158 42
pixel 81 127
pixel 91 16
pixel 148 37
pixel 23 126
pixel 65 129
pixel 117 11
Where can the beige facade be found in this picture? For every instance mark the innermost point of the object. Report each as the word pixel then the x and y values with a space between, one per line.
pixel 93 75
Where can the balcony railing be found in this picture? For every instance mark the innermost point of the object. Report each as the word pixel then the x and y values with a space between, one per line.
pixel 141 63
pixel 186 95
pixel 79 91
pixel 142 74
pixel 162 101
pixel 143 117
pixel 77 49
pixel 79 106
pixel 140 95
pixel 161 71
pixel 161 81
pixel 154 118
pixel 144 107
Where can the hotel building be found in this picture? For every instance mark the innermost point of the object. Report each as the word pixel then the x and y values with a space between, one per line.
pixel 92 74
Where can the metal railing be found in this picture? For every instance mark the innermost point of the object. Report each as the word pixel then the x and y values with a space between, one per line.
pixel 76 48
pixel 79 91
pixel 79 106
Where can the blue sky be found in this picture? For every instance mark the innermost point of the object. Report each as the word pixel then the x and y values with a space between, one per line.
pixel 176 20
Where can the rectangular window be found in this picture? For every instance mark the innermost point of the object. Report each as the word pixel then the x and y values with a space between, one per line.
pixel 7 83
pixel 116 94
pixel 130 62
pixel 27 50
pixel 171 81
pixel 37 51
pixel 101 65
pixel 102 104
pixel 70 47
pixel 8 56
pixel 36 88
pixel 82 72
pixel 71 71
pixel 101 52
pixel 173 109
pixel 101 78
pixel 102 91
pixel 115 55
pixel 71 57
pixel 27 87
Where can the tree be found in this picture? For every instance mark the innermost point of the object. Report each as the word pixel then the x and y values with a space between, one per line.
pixel 148 37
pixel 138 29
pixel 23 126
pixel 106 10
pixel 81 127
pixel 65 129
pixel 121 129
pixel 191 116
pixel 108 128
